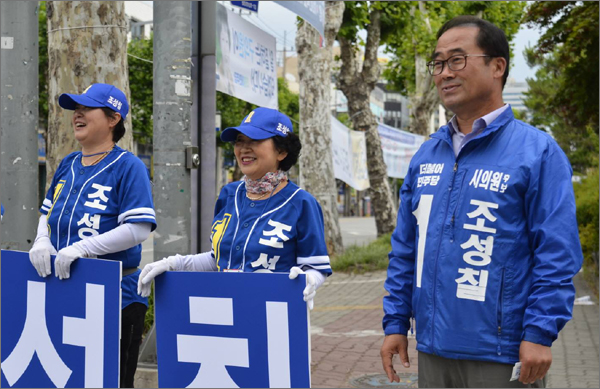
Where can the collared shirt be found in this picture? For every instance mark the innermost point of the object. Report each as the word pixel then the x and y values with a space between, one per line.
pixel 459 140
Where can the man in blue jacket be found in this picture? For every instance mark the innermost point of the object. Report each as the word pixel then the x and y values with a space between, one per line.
pixel 486 244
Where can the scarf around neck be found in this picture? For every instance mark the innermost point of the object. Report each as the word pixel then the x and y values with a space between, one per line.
pixel 265 184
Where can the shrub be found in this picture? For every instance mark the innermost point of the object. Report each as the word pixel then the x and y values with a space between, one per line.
pixel 587 199
pixel 360 259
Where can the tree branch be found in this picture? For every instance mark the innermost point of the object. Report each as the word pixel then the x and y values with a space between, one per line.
pixel 370 70
pixel 348 73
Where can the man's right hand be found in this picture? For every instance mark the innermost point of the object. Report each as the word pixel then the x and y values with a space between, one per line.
pixel 394 344
pixel 39 255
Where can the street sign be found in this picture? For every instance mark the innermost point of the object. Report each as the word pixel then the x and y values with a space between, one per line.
pixel 231 330
pixel 249 5
pixel 60 333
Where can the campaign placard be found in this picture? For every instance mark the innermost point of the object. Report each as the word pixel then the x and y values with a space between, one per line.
pixel 231 330
pixel 60 333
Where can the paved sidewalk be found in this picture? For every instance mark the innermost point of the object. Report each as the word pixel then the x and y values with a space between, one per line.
pixel 346 330
pixel 347 335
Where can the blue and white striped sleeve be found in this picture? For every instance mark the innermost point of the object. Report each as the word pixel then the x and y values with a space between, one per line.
pixel 135 194
pixel 311 248
pixel 46 205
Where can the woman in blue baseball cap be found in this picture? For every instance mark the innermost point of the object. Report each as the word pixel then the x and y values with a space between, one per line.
pixel 99 205
pixel 265 222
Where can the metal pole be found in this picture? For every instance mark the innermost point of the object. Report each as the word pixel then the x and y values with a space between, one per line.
pixel 19 138
pixel 195 125
pixel 172 137
pixel 171 111
pixel 208 109
pixel 284 54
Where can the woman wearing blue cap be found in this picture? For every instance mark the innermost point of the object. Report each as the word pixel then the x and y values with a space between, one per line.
pixel 99 205
pixel 264 223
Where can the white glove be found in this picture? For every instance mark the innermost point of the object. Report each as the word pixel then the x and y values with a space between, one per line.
pixel 65 258
pixel 39 255
pixel 154 269
pixel 311 284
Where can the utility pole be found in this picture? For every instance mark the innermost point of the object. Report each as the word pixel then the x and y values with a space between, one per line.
pixel 173 151
pixel 204 108
pixel 284 53
pixel 207 110
pixel 171 111
pixel 19 138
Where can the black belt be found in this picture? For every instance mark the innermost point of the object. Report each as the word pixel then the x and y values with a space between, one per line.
pixel 129 271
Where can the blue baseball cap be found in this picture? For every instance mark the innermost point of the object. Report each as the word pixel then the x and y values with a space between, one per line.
pixel 262 123
pixel 97 96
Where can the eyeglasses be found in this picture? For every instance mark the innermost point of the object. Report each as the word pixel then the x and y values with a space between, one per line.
pixel 456 62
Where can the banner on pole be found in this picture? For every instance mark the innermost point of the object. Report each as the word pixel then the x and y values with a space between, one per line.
pixel 246 60
pixel 231 330
pixel 398 149
pixel 311 11
pixel 60 333
pixel 349 149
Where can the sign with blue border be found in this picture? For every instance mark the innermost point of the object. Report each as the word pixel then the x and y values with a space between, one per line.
pixel 60 333
pixel 249 5
pixel 231 330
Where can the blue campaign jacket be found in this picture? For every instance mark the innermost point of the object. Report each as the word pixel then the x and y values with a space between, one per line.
pixel 486 244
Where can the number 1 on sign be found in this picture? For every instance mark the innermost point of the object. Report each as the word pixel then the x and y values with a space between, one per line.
pixel 422 214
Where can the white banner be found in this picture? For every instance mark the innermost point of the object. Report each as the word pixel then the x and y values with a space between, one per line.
pixel 398 149
pixel 349 155
pixel 246 60
pixel 311 11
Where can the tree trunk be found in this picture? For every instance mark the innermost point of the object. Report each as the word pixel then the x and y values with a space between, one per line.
pixel 79 57
pixel 425 98
pixel 423 104
pixel 357 86
pixel 316 159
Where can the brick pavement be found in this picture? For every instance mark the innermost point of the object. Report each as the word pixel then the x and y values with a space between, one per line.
pixel 575 352
pixel 346 330
pixel 347 334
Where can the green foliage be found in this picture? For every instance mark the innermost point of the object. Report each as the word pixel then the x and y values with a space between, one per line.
pixel 520 115
pixel 414 27
pixel 233 111
pixel 563 98
pixel 587 199
pixel 560 97
pixel 344 118
pixel 289 102
pixel 43 65
pixel 141 86
pixel 360 259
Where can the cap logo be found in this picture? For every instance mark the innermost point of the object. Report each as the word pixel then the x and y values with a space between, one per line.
pixel 283 129
pixel 249 117
pixel 114 102
pixel 86 89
